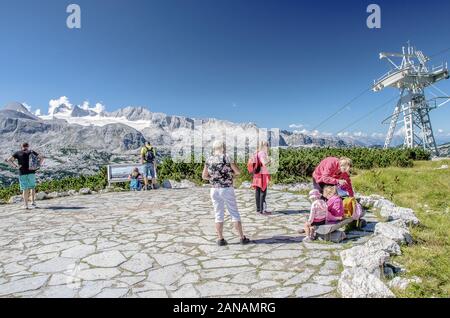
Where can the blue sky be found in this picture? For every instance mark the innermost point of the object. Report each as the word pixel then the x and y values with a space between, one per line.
pixel 275 63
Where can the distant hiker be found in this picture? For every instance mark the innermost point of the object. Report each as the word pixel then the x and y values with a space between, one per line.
pixel 318 214
pixel 135 182
pixel 334 203
pixel 333 171
pixel 148 158
pixel 261 176
pixel 219 170
pixel 28 162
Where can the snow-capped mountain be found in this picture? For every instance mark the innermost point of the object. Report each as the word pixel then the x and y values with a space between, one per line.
pixel 80 138
pixel 164 130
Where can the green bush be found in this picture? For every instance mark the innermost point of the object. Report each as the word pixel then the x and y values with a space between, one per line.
pixel 296 165
pixel 95 182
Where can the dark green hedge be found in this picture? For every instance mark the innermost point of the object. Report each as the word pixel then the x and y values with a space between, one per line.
pixel 296 165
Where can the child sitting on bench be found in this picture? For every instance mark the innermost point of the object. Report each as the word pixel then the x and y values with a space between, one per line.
pixel 318 214
pixel 135 182
pixel 334 203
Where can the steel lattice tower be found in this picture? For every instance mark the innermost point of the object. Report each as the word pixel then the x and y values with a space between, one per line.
pixel 411 77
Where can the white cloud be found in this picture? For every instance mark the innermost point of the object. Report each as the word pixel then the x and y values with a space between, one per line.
pixel 37 112
pixel 296 126
pixel 85 105
pixel 359 134
pixel 98 108
pixel 54 103
pixel 352 134
pixel 377 135
pixel 314 133
pixel 441 131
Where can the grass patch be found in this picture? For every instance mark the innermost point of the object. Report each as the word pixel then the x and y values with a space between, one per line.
pixel 426 190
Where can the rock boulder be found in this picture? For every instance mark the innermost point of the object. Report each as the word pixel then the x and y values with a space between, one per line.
pixel 41 196
pixel 383 243
pixel 394 231
pixel 15 199
pixel 403 283
pixel 399 213
pixel 166 184
pixel 85 191
pixel 357 282
pixel 52 195
pixel 363 257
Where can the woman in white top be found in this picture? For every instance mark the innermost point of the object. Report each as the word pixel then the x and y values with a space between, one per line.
pixel 219 170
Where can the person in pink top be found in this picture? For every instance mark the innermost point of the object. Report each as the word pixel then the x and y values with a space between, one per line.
pixel 334 203
pixel 333 171
pixel 261 178
pixel 317 215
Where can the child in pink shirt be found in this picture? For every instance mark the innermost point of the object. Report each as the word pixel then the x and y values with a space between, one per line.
pixel 317 215
pixel 334 203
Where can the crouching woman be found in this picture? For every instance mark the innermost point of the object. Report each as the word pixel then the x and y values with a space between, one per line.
pixel 219 170
pixel 334 172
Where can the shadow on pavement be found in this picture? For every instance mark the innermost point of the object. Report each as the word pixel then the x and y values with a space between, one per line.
pixel 62 208
pixel 291 212
pixel 278 240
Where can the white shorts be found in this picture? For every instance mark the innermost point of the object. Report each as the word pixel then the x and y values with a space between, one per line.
pixel 221 197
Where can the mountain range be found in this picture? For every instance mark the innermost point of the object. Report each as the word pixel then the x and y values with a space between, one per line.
pixel 79 139
pixel 124 130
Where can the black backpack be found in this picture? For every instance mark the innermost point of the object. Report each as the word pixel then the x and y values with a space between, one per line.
pixel 149 155
pixel 34 163
pixel 254 164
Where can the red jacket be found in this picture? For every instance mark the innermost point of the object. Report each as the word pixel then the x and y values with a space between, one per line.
pixel 347 187
pixel 261 180
pixel 329 172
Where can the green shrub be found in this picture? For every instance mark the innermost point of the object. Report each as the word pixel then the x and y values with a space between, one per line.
pixel 296 165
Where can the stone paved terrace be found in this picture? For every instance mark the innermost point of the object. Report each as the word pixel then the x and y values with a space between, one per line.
pixel 160 244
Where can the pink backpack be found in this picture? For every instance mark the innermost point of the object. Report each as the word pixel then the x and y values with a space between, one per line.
pixel 358 212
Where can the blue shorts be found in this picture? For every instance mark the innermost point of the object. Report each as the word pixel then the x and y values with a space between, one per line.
pixel 27 181
pixel 149 170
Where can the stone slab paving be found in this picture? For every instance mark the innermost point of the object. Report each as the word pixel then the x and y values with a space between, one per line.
pixel 161 244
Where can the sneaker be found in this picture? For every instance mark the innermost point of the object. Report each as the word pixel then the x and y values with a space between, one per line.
pixel 307 239
pixel 245 240
pixel 33 205
pixel 222 242
pixel 266 213
pixel 25 207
